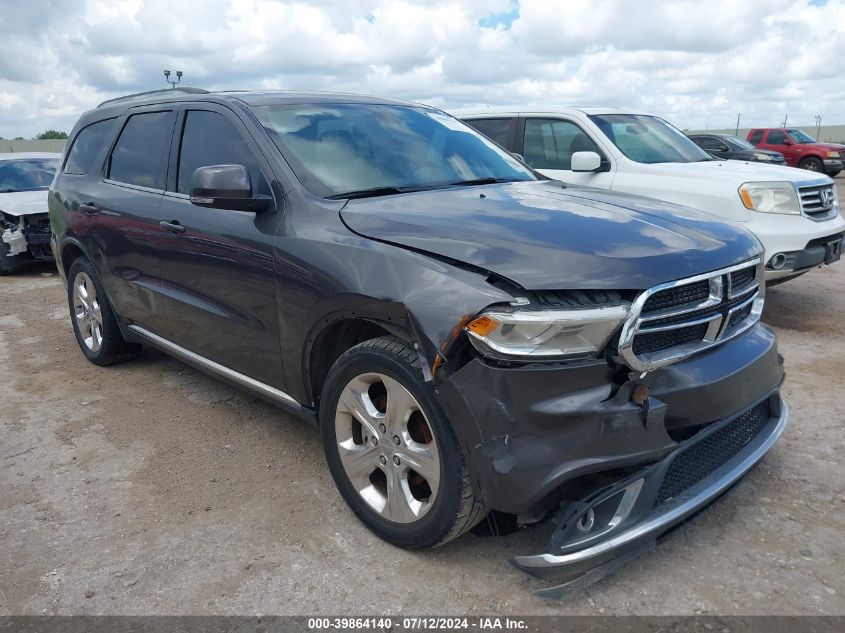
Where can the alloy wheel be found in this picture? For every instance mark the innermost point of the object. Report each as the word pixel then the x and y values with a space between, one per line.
pixel 387 447
pixel 87 312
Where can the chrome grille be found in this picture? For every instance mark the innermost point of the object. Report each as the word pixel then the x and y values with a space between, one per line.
pixel 817 200
pixel 674 320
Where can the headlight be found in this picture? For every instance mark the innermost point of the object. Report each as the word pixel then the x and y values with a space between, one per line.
pixel 545 333
pixel 762 157
pixel 770 197
pixel 833 154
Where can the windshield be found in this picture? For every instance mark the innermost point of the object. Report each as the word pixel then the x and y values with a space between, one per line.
pixel 340 150
pixel 649 139
pixel 799 137
pixel 26 174
pixel 738 143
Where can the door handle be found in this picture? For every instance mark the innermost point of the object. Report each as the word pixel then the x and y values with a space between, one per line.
pixel 173 226
pixel 89 208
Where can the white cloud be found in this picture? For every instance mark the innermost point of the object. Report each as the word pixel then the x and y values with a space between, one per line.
pixel 693 62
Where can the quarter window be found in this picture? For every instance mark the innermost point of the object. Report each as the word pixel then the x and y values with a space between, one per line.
pixel 209 138
pixel 550 143
pixel 497 130
pixel 140 155
pixel 86 146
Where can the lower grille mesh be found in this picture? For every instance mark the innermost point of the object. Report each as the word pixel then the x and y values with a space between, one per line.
pixel 705 456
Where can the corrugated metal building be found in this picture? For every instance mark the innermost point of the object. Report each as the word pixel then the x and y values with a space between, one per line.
pixel 31 145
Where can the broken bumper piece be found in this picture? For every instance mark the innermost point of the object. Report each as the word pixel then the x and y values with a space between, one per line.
pixel 597 535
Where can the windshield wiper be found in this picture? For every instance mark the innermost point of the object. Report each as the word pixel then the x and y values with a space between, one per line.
pixel 373 192
pixel 8 190
pixel 482 181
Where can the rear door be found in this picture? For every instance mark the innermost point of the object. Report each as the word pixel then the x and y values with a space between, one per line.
pixel 547 145
pixel 217 265
pixel 115 210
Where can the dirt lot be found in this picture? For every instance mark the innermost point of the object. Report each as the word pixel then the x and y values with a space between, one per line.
pixel 151 488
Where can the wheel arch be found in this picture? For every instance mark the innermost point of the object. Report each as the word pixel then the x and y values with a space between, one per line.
pixel 338 332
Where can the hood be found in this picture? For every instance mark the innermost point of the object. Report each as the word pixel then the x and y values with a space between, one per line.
pixel 733 172
pixel 835 147
pixel 543 236
pixel 20 203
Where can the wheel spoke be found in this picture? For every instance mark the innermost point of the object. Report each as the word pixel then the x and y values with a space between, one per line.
pixel 353 403
pixel 400 405
pixel 97 314
pixel 359 460
pixel 398 507
pixel 424 461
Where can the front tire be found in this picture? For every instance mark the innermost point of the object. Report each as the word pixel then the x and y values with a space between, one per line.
pixel 811 163
pixel 391 452
pixel 834 174
pixel 94 321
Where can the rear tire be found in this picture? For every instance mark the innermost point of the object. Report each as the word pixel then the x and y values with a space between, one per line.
pixel 379 420
pixel 811 163
pixel 834 174
pixel 94 321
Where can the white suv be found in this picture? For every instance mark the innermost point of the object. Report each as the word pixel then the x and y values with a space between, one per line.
pixel 795 214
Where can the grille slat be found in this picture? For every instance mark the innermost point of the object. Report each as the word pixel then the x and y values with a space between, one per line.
pixel 690 293
pixel 705 456
pixel 658 341
pixel 811 199
pixel 679 307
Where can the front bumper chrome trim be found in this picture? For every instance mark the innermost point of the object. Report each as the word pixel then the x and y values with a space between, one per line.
pixel 549 566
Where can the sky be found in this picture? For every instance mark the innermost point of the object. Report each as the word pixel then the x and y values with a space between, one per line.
pixel 696 63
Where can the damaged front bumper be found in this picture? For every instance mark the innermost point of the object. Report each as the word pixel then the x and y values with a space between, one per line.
pixel 571 442
pixel 593 536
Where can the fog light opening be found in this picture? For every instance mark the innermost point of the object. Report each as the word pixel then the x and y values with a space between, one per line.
pixel 777 261
pixel 587 521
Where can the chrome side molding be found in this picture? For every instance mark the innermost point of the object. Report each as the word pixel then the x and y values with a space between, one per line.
pixel 216 368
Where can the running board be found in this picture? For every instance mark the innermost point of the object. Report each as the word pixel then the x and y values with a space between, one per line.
pixel 268 391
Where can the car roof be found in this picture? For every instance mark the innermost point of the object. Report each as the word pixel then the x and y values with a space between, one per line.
pixel 535 109
pixel 250 97
pixel 118 106
pixel 713 134
pixel 28 155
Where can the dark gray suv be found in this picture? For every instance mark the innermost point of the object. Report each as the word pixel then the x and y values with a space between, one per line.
pixel 467 336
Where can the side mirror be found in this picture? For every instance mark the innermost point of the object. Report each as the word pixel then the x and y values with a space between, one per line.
pixel 786 141
pixel 585 161
pixel 226 187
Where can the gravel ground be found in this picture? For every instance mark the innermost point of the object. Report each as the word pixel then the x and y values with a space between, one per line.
pixel 151 488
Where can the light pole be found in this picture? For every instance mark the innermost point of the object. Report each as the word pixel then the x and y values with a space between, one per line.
pixel 738 114
pixel 173 83
pixel 818 125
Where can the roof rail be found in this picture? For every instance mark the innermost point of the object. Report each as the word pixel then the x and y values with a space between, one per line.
pixel 163 91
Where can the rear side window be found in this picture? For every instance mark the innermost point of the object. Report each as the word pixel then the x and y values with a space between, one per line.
pixel 756 136
pixel 140 154
pixel 86 146
pixel 209 138
pixel 709 143
pixel 497 130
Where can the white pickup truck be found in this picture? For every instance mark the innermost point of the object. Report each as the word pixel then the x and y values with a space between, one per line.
pixel 794 213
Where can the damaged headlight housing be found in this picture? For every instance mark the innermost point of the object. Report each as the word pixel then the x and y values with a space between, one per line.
pixel 770 197
pixel 545 334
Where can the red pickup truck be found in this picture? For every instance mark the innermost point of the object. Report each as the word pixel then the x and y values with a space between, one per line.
pixel 800 149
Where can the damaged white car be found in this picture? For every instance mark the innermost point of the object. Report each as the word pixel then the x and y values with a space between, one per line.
pixel 24 223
